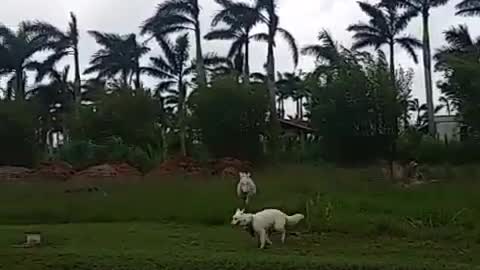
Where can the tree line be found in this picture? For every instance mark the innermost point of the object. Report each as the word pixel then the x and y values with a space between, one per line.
pixel 175 27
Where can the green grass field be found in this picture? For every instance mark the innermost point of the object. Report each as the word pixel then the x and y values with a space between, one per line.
pixel 355 221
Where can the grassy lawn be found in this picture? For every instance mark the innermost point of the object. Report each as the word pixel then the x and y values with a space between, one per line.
pixel 356 221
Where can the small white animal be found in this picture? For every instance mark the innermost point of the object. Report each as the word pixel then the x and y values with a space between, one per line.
pixel 263 222
pixel 246 188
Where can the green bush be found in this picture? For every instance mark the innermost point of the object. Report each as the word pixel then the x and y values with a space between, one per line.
pixel 414 145
pixel 18 129
pixel 231 118
pixel 131 118
pixel 80 154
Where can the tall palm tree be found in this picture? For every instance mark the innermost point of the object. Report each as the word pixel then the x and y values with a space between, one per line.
pixel 240 19
pixel 173 69
pixel 385 26
pixel 268 14
pixel 120 55
pixel 468 8
pixel 173 16
pixel 63 44
pixel 17 49
pixel 424 8
pixel 460 47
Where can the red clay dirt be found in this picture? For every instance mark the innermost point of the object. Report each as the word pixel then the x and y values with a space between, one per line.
pixel 57 170
pixel 190 167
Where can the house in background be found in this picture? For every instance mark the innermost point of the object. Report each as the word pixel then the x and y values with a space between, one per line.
pixel 448 127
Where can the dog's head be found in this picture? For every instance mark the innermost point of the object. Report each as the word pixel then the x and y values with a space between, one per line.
pixel 240 218
pixel 244 175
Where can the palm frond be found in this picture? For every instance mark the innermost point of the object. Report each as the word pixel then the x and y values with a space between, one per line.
pixel 288 37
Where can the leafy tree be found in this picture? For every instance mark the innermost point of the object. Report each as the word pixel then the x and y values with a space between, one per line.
pixel 18 131
pixel 117 115
pixel 458 61
pixel 173 68
pixel 120 55
pixel 231 118
pixel 424 7
pixel 173 16
pixel 353 112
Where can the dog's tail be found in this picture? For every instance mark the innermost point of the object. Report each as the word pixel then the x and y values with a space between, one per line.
pixel 293 220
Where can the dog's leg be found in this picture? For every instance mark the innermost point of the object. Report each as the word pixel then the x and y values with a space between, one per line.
pixel 262 236
pixel 284 235
pixel 267 238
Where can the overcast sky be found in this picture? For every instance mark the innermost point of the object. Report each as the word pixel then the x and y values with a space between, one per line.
pixel 303 18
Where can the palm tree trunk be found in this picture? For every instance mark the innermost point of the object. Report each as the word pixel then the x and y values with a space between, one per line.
pixel 392 63
pixel 125 79
pixel 19 90
pixel 181 118
pixel 246 68
pixel 272 89
pixel 138 82
pixel 202 76
pixel 77 94
pixel 427 62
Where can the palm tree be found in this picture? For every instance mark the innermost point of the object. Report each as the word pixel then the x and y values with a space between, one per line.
pixel 173 69
pixel 17 49
pixel 217 66
pixel 418 109
pixel 424 7
pixel 63 44
pixel 468 8
pixel 240 19
pixel 119 55
pixel 292 85
pixel 460 42
pixel 268 15
pixel 173 16
pixel 385 27
pixel 55 100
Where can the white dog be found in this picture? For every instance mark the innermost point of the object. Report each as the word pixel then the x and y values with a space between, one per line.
pixel 246 188
pixel 264 221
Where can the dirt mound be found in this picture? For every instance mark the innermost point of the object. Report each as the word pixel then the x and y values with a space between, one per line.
pixel 9 173
pixel 188 166
pixel 125 170
pixel 109 171
pixel 54 170
pixel 178 165
pixel 220 166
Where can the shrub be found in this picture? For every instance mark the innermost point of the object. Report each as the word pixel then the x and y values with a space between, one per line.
pixel 231 118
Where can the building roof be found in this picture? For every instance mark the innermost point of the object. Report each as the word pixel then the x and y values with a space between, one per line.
pixel 296 124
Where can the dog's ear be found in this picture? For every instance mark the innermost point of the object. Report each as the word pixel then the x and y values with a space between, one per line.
pixel 237 211
pixel 249 174
pixel 242 211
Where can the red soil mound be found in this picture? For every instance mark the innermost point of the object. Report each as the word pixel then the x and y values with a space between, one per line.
pixel 9 173
pixel 54 170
